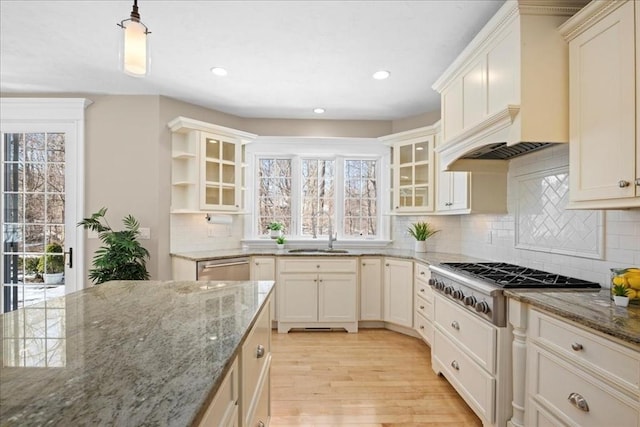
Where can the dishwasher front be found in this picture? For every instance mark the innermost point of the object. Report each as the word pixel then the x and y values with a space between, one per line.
pixel 224 269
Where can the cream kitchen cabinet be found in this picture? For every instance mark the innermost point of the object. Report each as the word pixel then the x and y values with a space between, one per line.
pixel 398 292
pixel 206 169
pixel 264 268
pixel 317 293
pixel 223 410
pixel 423 318
pixel 371 288
pixel 509 85
pixel 604 153
pixel 574 376
pixel 412 170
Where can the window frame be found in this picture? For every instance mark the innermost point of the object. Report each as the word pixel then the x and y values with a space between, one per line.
pixel 337 149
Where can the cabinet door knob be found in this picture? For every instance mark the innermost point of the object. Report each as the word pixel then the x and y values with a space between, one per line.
pixel 638 182
pixel 422 273
pixel 578 401
pixel 455 365
pixel 318 266
pixel 422 307
pixel 387 265
pixel 422 327
pixel 421 289
pixel 455 325
pixel 260 351
pixel 622 183
pixel 576 346
pixel 260 424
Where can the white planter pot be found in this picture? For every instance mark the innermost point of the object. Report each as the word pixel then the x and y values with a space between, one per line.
pixel 420 246
pixel 621 301
pixel 280 246
pixel 53 278
pixel 275 234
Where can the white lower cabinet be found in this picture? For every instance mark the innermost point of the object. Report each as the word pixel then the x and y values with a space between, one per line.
pixel 243 398
pixel 398 292
pixel 317 293
pixel 264 268
pixel 370 288
pixel 423 317
pixel 579 377
pixel 572 375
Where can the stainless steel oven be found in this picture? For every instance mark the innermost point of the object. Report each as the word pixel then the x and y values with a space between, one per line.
pixel 224 269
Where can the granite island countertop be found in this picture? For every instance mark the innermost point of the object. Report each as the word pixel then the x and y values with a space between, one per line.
pixel 124 353
pixel 593 309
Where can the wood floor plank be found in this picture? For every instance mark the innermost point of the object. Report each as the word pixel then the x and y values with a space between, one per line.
pixel 375 378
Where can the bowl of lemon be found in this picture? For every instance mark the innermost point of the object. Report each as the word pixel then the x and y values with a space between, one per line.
pixel 630 279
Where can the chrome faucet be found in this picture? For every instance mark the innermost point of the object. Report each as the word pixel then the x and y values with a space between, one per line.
pixel 331 238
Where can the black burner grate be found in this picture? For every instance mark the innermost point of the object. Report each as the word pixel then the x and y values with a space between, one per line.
pixel 514 276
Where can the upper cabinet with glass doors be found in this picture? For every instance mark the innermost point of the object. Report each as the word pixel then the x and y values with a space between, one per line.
pixel 412 170
pixel 207 166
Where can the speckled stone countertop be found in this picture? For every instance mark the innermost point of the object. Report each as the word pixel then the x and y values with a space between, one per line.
pixel 592 309
pixel 124 353
pixel 427 257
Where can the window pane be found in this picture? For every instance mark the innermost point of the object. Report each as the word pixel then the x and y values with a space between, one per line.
pixel 360 204
pixel 318 192
pixel 274 194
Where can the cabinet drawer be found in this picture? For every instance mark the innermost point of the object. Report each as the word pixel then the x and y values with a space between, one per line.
pixel 470 380
pixel 262 415
pixel 471 333
pixel 423 290
pixel 223 410
pixel 609 359
pixel 552 380
pixel 424 328
pixel 424 308
pixel 422 272
pixel 317 265
pixel 256 353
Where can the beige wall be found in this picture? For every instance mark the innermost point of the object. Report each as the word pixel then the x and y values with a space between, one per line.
pixel 128 156
pixel 414 122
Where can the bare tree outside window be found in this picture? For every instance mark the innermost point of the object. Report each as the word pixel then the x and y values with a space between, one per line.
pixel 318 177
pixel 360 193
pixel 274 193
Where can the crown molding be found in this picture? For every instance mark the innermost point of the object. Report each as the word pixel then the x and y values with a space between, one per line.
pixel 588 16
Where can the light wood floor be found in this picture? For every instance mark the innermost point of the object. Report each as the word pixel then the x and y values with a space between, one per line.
pixel 373 378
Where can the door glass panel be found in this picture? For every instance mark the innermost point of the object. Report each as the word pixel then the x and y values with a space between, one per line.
pixel 33 217
pixel 422 174
pixel 228 151
pixel 422 152
pixel 406 154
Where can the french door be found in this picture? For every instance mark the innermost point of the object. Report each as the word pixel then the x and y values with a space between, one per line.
pixel 41 162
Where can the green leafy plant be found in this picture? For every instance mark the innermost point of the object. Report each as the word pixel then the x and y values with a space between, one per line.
pixel 620 290
pixel 280 240
pixel 121 257
pixel 51 264
pixel 275 226
pixel 421 230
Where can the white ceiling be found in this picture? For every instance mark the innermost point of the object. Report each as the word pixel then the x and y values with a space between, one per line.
pixel 284 58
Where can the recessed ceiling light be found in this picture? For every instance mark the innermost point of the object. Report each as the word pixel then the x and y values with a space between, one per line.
pixel 219 71
pixel 381 75
pixel 318 110
pixel 419 148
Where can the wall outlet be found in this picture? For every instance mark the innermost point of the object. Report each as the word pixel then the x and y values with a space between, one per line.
pixel 145 233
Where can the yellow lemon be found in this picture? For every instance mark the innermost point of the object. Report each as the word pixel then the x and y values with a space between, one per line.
pixel 634 282
pixel 632 294
pixel 620 280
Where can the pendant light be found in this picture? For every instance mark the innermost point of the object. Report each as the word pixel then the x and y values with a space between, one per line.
pixel 134 46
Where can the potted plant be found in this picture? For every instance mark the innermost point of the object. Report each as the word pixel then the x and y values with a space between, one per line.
pixel 421 231
pixel 280 240
pixel 620 297
pixel 275 229
pixel 52 266
pixel 121 257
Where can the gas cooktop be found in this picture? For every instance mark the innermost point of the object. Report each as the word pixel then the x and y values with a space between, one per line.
pixel 514 276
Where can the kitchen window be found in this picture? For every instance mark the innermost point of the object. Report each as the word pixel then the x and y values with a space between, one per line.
pixel 311 192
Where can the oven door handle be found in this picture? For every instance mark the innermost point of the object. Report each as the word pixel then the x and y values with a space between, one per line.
pixel 229 264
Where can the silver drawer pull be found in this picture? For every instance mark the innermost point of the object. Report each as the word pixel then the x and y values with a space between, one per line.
pixel 260 424
pixel 260 351
pixel 421 289
pixel 455 365
pixel 422 327
pixel 578 401
pixel 576 347
pixel 622 183
pixel 422 307
pixel 422 273
pixel 455 325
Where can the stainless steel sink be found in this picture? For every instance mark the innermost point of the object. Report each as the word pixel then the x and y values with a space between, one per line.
pixel 316 250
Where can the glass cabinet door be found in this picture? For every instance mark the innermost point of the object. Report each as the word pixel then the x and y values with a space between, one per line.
pixel 413 176
pixel 220 187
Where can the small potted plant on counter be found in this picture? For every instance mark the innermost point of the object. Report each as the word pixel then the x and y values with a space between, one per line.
pixel 280 240
pixel 421 231
pixel 275 229
pixel 620 297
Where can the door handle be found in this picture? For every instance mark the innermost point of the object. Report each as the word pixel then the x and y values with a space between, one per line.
pixel 69 254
